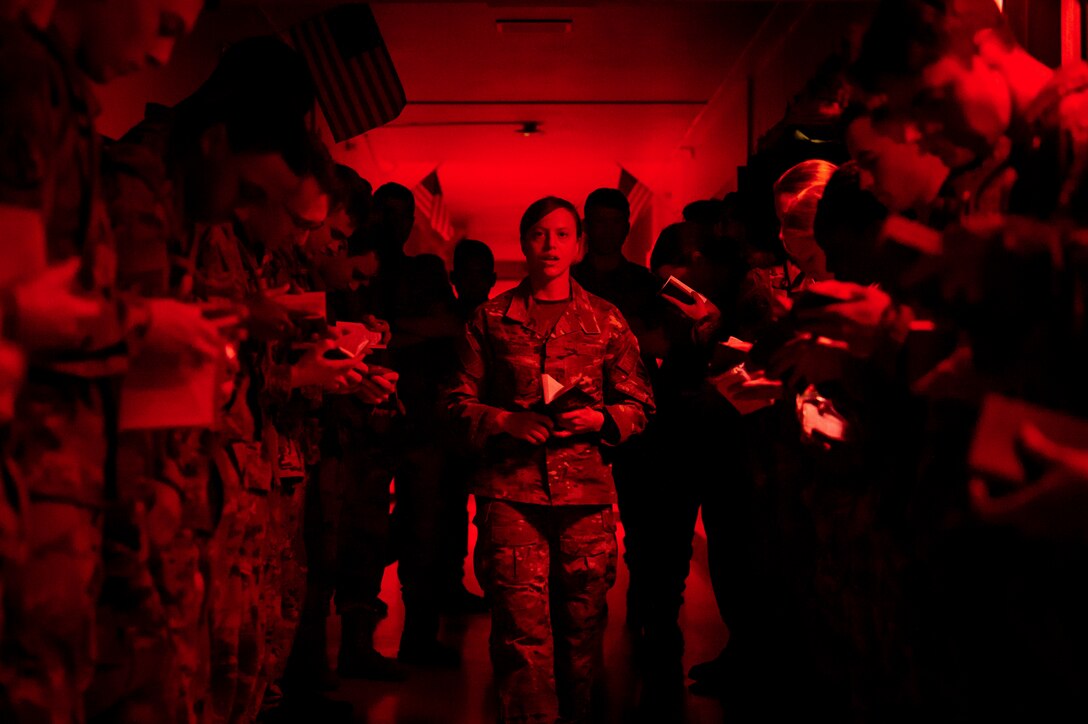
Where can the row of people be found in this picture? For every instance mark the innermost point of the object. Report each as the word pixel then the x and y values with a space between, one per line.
pixel 161 565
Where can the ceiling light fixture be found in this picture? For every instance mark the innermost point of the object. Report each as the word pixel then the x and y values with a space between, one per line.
pixel 534 25
pixel 529 128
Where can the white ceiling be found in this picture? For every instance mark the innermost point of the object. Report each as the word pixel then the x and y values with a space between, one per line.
pixel 623 87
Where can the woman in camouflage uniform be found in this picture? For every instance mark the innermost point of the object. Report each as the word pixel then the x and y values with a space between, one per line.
pixel 544 494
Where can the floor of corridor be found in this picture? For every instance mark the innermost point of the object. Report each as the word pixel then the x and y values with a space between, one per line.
pixel 466 696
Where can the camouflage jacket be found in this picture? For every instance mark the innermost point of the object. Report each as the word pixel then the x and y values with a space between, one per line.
pixel 49 162
pixel 1050 152
pixel 502 360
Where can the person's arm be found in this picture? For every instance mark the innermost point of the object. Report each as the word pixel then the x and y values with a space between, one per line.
pixel 463 399
pixel 45 308
pixel 628 398
pixel 483 421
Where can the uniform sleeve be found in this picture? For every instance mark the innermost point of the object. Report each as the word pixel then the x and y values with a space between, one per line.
pixel 477 420
pixel 628 398
pixel 27 149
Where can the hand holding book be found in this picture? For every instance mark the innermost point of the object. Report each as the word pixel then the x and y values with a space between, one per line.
pixel 530 427
pixel 578 422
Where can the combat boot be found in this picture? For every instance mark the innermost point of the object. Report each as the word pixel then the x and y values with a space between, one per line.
pixel 358 658
pixel 308 665
pixel 419 644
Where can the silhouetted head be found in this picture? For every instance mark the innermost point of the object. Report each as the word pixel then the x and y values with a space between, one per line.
pixel 607 222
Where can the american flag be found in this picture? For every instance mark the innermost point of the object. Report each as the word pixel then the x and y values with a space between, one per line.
pixel 357 85
pixel 638 195
pixel 430 203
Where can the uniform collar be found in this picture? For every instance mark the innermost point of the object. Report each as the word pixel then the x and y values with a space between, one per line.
pixel 1067 80
pixel 578 314
pixel 79 86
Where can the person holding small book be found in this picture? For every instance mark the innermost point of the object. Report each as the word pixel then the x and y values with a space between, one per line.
pixel 548 375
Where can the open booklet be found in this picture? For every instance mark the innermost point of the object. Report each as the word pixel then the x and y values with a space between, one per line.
pixel 746 391
pixel 354 339
pixel 729 354
pixel 679 291
pixel 995 449
pixel 559 397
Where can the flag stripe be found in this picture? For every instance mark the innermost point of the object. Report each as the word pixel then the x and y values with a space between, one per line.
pixel 386 75
pixel 368 88
pixel 330 109
pixel 637 193
pixel 360 112
pixel 431 204
pixel 325 79
pixel 326 55
pixel 424 203
pixel 365 72
pixel 382 63
pixel 356 80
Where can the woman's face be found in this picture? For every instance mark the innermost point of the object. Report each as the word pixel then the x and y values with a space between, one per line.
pixel 803 251
pixel 552 245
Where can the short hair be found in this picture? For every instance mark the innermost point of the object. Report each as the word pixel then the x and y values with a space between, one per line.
pixel 262 71
pixel 393 191
pixel 361 242
pixel 905 36
pixel 802 186
pixel 704 211
pixel 847 225
pixel 541 208
pixel 352 193
pixel 608 198
pixel 470 250
pixel 803 176
pixel 678 243
pixel 261 91
pixel 311 158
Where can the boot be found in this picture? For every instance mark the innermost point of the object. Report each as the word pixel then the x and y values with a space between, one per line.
pixel 458 600
pixel 358 659
pixel 419 643
pixel 308 664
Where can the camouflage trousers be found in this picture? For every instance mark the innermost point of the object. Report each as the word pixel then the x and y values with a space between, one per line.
pixel 134 666
pixel 55 455
pixel 284 584
pixel 152 622
pixel 546 571
pixel 237 613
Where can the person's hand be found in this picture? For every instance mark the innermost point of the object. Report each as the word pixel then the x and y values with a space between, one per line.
pixel 267 318
pixel 577 422
pixel 808 360
pixel 12 370
pixel 1054 505
pixel 378 325
pixel 164 515
pixel 375 386
pixel 52 312
pixel 701 310
pixel 314 369
pixel 181 331
pixel 528 427
pixel 859 321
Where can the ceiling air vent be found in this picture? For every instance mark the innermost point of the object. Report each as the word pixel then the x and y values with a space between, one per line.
pixel 534 25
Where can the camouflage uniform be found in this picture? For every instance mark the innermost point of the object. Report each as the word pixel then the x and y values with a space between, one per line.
pixel 163 581
pixel 1029 338
pixel 55 453
pixel 243 460
pixel 295 417
pixel 545 515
